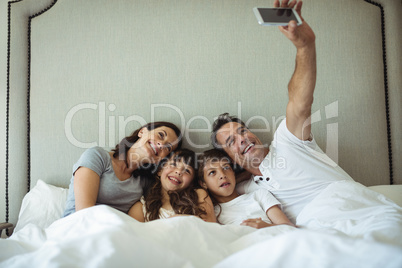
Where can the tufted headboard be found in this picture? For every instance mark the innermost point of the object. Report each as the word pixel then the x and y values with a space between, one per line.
pixel 75 74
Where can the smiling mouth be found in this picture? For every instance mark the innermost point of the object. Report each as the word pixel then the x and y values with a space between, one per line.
pixel 174 180
pixel 153 148
pixel 251 145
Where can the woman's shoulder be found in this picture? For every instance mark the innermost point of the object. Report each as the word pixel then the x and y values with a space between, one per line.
pixel 95 158
pixel 96 152
pixel 97 149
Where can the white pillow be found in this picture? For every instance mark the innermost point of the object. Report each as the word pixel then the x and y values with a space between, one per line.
pixel 42 205
pixel 393 192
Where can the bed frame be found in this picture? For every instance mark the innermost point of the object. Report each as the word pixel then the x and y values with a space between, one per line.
pixel 81 73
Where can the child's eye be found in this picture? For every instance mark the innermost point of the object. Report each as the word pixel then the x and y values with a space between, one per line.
pixel 211 173
pixel 226 167
pixel 188 171
pixel 161 135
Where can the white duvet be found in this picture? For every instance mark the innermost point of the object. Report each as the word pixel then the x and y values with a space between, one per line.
pixel 103 237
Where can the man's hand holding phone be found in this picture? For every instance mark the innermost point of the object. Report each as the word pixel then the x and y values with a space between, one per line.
pixel 301 36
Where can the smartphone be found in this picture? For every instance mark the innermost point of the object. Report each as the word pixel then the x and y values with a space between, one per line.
pixel 276 16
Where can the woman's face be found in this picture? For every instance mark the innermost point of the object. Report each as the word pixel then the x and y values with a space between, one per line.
pixel 153 145
pixel 176 175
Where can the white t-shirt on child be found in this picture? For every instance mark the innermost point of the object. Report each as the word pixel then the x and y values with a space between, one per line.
pixel 246 206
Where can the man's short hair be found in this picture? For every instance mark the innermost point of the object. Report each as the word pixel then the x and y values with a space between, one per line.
pixel 219 122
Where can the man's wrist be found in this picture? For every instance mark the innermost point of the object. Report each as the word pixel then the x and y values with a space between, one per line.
pixel 307 49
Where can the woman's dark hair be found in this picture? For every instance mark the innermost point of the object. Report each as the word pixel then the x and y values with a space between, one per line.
pixel 183 202
pixel 144 172
pixel 213 155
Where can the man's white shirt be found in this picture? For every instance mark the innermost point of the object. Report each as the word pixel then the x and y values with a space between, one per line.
pixel 294 171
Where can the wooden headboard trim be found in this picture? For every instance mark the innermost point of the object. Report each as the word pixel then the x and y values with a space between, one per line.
pixel 8 103
pixel 384 59
pixel 28 99
pixel 29 91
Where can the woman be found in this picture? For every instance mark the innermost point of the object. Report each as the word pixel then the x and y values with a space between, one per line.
pixel 118 178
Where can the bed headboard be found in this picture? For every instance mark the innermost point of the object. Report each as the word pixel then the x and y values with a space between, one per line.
pixel 76 74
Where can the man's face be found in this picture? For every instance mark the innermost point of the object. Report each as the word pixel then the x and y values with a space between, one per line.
pixel 241 145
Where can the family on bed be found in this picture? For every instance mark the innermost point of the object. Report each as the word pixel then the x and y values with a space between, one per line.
pixel 149 176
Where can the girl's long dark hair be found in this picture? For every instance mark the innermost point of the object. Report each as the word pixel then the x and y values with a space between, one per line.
pixel 144 172
pixel 183 202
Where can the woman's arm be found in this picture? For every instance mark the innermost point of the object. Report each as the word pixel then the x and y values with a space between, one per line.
pixel 86 188
pixel 205 202
pixel 136 212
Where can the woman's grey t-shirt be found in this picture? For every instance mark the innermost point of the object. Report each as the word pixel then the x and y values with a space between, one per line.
pixel 118 194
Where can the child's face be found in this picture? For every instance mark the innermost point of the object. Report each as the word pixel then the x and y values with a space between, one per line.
pixel 176 175
pixel 219 178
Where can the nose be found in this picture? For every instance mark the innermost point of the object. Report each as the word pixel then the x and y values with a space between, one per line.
pixel 242 140
pixel 178 171
pixel 160 144
pixel 222 175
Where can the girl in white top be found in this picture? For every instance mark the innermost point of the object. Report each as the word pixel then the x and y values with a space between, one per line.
pixel 258 209
pixel 174 192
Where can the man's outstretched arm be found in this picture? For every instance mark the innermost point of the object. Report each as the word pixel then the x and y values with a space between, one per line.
pixel 302 84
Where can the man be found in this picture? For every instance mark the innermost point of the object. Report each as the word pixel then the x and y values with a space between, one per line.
pixel 313 190
pixel 293 168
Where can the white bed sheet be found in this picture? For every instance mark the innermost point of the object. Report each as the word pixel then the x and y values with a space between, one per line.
pixel 104 237
pixel 347 225
pixel 353 209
